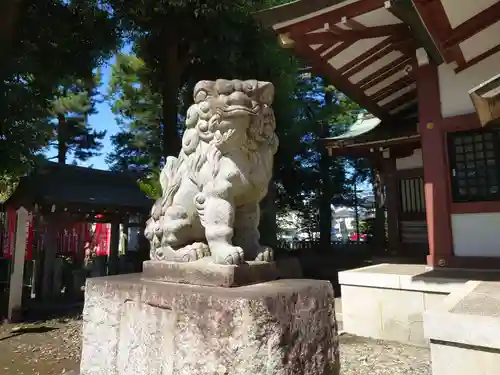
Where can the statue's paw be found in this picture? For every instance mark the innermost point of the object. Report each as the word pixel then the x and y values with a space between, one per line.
pixel 157 253
pixel 196 251
pixel 227 254
pixel 265 254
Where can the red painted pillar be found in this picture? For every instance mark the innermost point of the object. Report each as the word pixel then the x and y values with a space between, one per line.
pixel 437 191
pixel 392 203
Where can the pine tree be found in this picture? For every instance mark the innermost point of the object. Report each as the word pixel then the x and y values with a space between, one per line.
pixel 42 43
pixel 70 110
pixel 138 145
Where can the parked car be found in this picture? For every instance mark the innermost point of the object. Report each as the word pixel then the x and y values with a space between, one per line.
pixel 353 237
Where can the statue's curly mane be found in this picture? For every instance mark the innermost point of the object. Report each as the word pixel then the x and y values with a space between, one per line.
pixel 203 142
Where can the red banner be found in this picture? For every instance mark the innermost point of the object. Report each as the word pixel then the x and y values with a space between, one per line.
pixel 28 254
pixel 68 239
pixel 101 239
pixel 10 235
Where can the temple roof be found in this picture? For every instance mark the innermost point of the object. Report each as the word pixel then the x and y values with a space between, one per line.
pixel 363 125
pixel 369 133
pixel 85 189
pixel 361 46
pixel 367 48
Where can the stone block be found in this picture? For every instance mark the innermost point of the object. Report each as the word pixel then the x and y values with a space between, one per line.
pixel 205 272
pixel 386 314
pixel 453 359
pixel 134 326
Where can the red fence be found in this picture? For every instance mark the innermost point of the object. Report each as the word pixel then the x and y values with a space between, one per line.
pixel 69 240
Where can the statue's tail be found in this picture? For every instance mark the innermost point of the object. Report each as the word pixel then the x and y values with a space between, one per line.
pixel 167 173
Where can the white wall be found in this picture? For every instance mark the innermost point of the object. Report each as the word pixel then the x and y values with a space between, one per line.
pixel 454 88
pixel 410 162
pixel 476 234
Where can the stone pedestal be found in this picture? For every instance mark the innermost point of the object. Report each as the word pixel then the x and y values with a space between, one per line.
pixel 205 272
pixel 137 326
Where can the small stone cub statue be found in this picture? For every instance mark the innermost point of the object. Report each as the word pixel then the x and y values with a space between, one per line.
pixel 211 191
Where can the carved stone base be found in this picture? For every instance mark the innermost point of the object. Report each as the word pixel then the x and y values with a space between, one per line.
pixel 132 326
pixel 205 272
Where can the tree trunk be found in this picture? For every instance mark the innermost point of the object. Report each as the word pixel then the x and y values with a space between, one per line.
pixel 9 13
pixel 171 142
pixel 268 227
pixel 379 235
pixel 62 139
pixel 326 195
pixel 325 208
pixel 356 206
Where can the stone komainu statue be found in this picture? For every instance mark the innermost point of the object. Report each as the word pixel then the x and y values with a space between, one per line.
pixel 211 192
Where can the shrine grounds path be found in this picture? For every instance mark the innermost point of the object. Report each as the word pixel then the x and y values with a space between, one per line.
pixel 52 347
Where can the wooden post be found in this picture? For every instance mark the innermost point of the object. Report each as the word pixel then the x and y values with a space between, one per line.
pixel 17 270
pixel 437 193
pixel 379 238
pixel 114 247
pixel 392 204
pixel 50 255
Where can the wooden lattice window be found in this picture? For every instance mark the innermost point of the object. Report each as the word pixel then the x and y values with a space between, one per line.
pixel 475 165
pixel 412 195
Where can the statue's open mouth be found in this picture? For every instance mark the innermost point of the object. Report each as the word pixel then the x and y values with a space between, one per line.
pixel 238 110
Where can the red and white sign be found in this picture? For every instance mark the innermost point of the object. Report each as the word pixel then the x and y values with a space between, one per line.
pixel 9 236
pixel 102 235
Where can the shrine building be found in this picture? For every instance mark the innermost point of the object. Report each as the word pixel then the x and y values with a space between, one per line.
pixel 427 71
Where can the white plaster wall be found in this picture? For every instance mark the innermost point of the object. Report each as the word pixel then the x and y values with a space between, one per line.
pixel 476 234
pixel 410 162
pixel 454 88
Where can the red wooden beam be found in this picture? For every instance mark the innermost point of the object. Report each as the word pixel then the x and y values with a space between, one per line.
pixel 478 58
pixel 472 26
pixel 336 50
pixel 434 16
pixel 334 16
pixel 435 19
pixel 399 101
pixel 362 57
pixel 404 48
pixel 400 84
pixel 317 38
pixel 384 73
pixel 353 24
pixel 411 110
pixel 322 67
pixel 325 47
pixel 374 32
pixel 354 35
pixel 335 29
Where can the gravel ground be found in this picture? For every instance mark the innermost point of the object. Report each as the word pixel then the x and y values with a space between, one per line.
pixel 360 356
pixel 52 347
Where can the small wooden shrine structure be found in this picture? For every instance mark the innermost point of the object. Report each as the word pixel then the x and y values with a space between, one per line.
pixel 56 198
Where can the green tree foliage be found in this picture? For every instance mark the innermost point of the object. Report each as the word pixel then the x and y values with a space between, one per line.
pixel 150 184
pixel 225 40
pixel 69 110
pixel 138 111
pixel 182 41
pixel 43 43
pixel 8 184
pixel 177 43
pixel 314 181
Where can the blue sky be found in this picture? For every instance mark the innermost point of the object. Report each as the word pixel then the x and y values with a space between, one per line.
pixel 102 120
